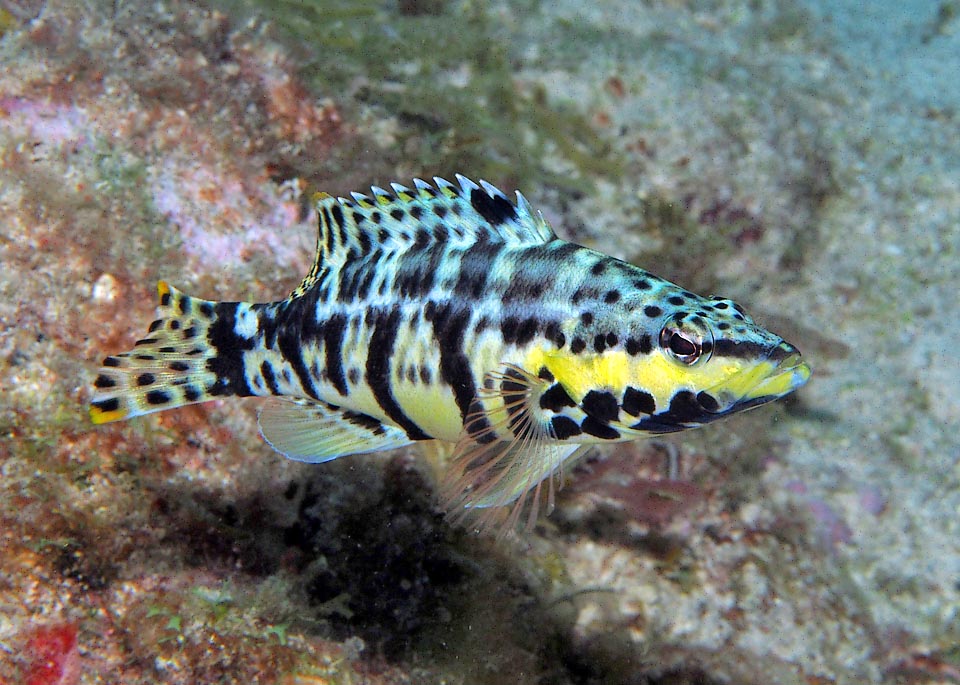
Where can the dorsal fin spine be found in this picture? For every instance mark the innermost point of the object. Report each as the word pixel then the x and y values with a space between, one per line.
pixel 358 224
pixel 445 187
pixel 467 185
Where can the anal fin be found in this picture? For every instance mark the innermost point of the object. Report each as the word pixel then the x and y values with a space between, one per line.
pixel 316 432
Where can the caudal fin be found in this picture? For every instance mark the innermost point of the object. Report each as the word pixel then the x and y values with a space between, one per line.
pixel 166 369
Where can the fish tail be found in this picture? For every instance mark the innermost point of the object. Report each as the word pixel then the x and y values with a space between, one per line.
pixel 168 368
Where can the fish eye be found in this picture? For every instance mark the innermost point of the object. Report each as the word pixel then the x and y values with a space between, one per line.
pixel 686 341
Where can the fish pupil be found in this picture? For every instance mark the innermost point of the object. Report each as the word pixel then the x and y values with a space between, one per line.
pixel 681 346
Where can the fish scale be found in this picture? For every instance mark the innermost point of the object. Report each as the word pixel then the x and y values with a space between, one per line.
pixel 447 312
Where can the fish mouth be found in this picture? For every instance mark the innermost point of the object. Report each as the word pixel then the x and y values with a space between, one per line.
pixel 780 373
pixel 783 371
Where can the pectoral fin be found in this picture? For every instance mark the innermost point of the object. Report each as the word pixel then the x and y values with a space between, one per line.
pixel 316 432
pixel 505 454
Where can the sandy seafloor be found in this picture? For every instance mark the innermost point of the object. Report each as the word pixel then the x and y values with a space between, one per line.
pixel 802 158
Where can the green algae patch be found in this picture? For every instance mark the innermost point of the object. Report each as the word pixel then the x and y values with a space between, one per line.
pixel 447 73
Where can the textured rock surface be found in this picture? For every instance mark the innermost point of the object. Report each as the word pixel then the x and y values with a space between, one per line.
pixel 803 159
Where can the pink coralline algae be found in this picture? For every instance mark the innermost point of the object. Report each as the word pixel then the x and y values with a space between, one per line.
pixel 52 656
pixel 201 203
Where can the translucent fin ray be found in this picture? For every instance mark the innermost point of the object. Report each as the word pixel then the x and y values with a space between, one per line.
pixel 317 432
pixel 491 480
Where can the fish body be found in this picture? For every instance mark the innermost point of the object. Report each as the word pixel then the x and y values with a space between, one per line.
pixel 447 312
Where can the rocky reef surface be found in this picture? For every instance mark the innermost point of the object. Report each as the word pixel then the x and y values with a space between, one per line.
pixel 802 158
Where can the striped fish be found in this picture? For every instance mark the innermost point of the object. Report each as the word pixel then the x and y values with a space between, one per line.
pixel 447 312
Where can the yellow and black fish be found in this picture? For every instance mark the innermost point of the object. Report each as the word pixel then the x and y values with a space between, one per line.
pixel 450 313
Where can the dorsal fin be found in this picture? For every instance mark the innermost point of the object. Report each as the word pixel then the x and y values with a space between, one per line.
pixel 407 218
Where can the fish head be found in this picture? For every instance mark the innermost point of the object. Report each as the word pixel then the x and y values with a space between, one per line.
pixel 681 363
pixel 710 360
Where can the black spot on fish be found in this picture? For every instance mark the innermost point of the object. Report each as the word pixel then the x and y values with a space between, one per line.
pixel 397 214
pixel 440 210
pixel 376 217
pixel 155 325
pixel 425 376
pixel 611 296
pixel 641 284
pixel 707 401
pixel 206 308
pixel 676 300
pixel 555 398
pixel 601 405
pixel 508 329
pixel 110 404
pixel 156 397
pixel 553 333
pixel 545 374
pixel 652 311
pixel 189 333
pixel 145 341
pixel 353 375
pixel 634 346
pixel 599 342
pixel 577 345
pixel 495 209
pixel 586 318
pixel 184 305
pixel 111 361
pixel 104 382
pixel 175 325
pixel 563 427
pixel 416 211
pixel 191 394
pixel 165 299
pixel 527 330
pixel 146 379
pixel 636 402
pixel 684 408
pixel 612 339
pixel 597 429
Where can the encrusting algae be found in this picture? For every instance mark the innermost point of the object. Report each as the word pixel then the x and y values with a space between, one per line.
pixel 449 313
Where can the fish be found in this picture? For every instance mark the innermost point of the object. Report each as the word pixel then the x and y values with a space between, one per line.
pixel 451 313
